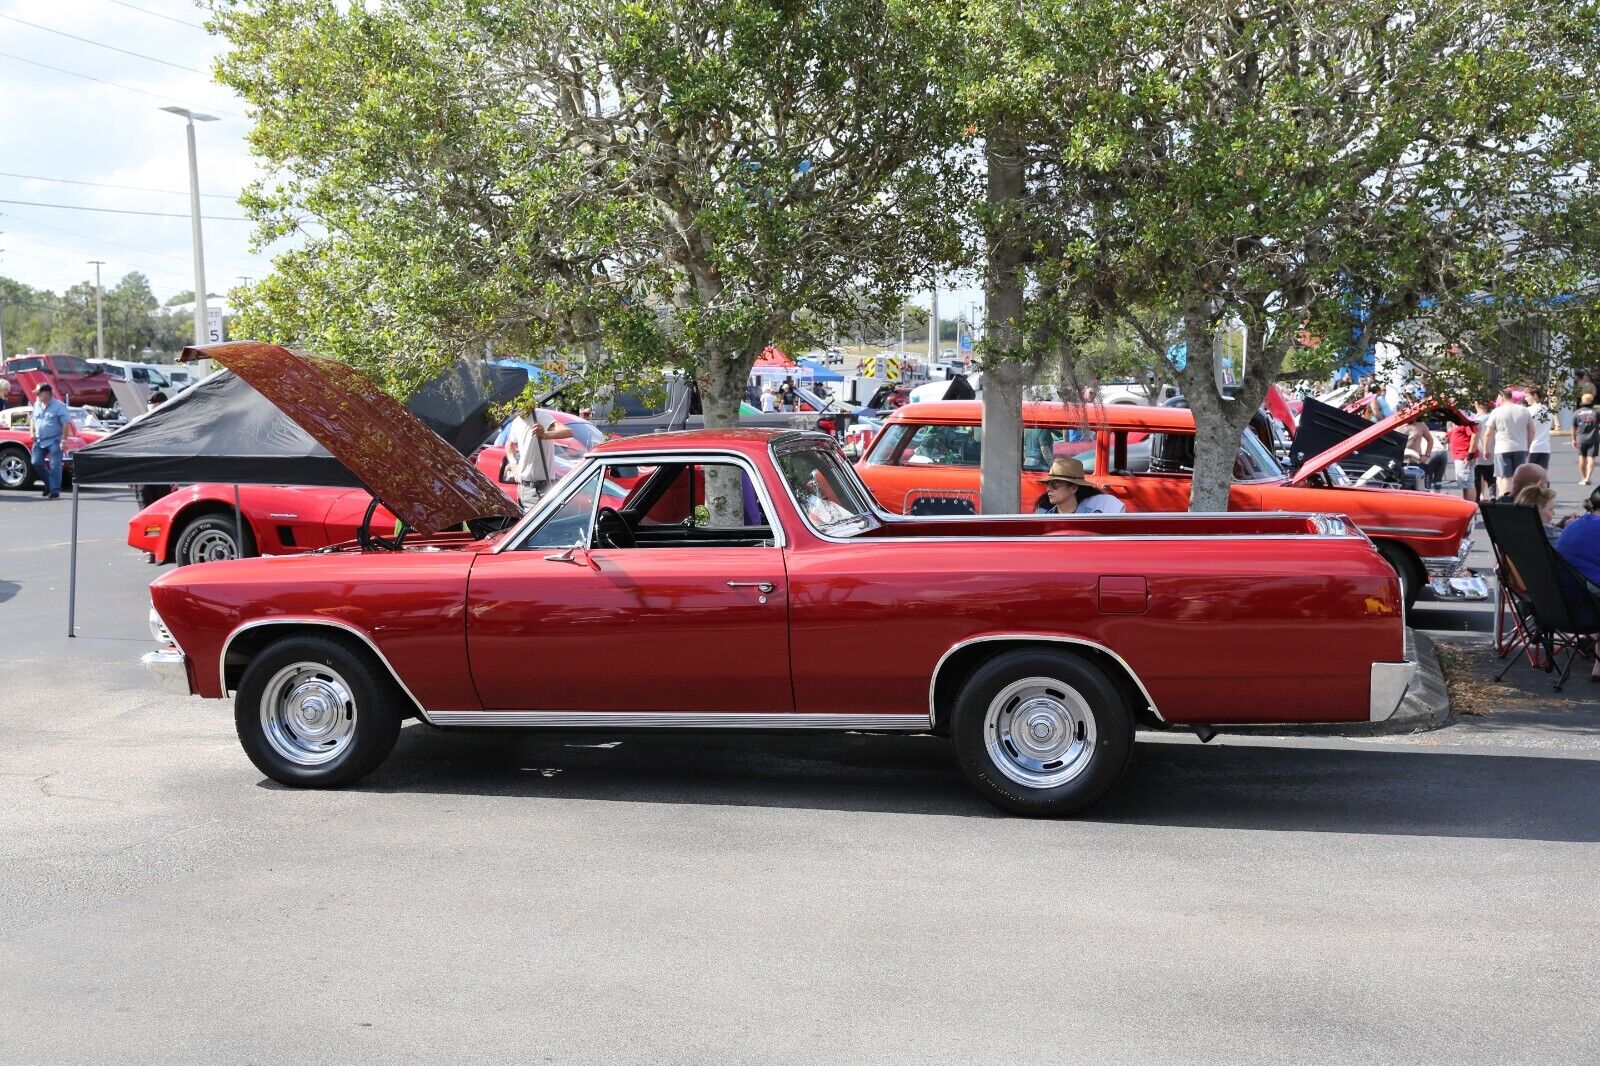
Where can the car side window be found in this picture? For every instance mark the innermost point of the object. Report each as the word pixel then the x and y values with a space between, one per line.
pixel 941 446
pixel 572 522
pixel 672 509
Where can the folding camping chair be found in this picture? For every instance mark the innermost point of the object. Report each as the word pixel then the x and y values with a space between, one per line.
pixel 1552 607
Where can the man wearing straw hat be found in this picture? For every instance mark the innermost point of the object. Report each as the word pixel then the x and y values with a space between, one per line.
pixel 1067 491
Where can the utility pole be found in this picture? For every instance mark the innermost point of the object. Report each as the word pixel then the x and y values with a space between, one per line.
pixel 99 319
pixel 933 327
pixel 191 118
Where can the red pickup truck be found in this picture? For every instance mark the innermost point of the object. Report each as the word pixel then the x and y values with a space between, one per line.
pixel 76 381
pixel 743 560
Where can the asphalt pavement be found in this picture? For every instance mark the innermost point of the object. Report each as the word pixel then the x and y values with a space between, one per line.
pixel 565 898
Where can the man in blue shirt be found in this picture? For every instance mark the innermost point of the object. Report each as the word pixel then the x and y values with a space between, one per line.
pixel 51 422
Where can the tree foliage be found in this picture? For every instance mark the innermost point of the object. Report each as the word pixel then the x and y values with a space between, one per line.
pixel 634 184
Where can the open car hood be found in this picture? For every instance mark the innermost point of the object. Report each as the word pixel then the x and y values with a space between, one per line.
pixel 1367 437
pixel 406 465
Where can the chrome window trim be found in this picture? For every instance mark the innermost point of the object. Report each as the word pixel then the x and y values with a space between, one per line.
pixel 313 620
pixel 550 502
pixel 656 457
pixel 888 520
pixel 989 638
pixel 915 723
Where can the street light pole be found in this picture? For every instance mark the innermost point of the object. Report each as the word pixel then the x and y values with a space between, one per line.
pixel 99 319
pixel 191 118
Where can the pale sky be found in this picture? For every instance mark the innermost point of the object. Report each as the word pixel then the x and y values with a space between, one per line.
pixel 59 128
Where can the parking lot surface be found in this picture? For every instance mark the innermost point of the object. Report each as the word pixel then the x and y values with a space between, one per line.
pixel 660 898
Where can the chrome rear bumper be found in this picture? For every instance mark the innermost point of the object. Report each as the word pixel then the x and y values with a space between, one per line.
pixel 1389 684
pixel 170 667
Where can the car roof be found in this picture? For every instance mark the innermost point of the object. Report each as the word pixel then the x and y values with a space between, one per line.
pixel 1108 415
pixel 742 440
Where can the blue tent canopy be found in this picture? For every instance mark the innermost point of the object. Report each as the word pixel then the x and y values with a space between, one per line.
pixel 819 372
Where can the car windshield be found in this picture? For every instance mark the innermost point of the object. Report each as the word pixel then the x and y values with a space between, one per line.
pixel 825 490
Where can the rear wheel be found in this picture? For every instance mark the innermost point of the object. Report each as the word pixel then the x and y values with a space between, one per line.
pixel 315 713
pixel 1406 567
pixel 1041 732
pixel 210 538
pixel 16 471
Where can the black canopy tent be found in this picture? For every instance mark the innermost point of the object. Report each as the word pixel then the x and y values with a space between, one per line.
pixel 223 430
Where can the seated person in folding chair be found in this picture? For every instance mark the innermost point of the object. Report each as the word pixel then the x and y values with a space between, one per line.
pixel 1543 500
pixel 1579 545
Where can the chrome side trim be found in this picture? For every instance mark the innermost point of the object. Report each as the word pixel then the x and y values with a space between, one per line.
pixel 168 666
pixel 1389 684
pixel 916 723
pixel 933 711
pixel 303 620
pixel 1401 531
pixel 656 457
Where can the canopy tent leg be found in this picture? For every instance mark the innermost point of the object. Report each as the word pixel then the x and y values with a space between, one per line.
pixel 72 567
pixel 238 523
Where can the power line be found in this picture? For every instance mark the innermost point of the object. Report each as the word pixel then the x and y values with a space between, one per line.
pixel 159 15
pixel 103 240
pixel 140 267
pixel 124 211
pixel 114 85
pixel 104 185
pixel 98 44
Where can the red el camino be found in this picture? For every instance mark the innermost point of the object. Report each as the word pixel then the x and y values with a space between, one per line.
pixel 1038 652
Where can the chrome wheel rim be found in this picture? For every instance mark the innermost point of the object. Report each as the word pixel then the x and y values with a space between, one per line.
pixel 308 714
pixel 1040 732
pixel 212 545
pixel 13 471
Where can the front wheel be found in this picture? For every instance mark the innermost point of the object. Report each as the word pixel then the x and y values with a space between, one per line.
pixel 1406 568
pixel 1041 732
pixel 211 538
pixel 314 713
pixel 16 470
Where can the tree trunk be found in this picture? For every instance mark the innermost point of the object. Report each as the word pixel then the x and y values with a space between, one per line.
pixel 722 380
pixel 1003 377
pixel 1001 485
pixel 1217 422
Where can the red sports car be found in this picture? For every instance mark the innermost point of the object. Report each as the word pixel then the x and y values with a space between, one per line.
pixel 195 524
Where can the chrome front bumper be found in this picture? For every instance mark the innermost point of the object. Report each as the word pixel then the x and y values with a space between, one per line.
pixel 1389 684
pixel 171 669
pixel 1447 566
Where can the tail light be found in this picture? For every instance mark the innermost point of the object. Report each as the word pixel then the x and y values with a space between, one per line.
pixel 827 425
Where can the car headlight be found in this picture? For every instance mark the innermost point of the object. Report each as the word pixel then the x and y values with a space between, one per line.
pixel 159 630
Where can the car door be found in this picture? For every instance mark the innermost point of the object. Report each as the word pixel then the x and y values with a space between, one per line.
pixel 558 622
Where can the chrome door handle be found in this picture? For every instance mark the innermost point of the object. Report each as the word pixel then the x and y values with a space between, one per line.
pixel 765 587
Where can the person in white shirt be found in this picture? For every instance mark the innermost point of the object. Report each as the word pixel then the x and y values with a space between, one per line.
pixel 769 399
pixel 532 454
pixel 1543 422
pixel 1508 436
pixel 1067 491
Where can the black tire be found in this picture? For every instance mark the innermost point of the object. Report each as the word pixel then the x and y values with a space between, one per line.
pixel 16 468
pixel 211 537
pixel 1091 718
pixel 1406 567
pixel 339 741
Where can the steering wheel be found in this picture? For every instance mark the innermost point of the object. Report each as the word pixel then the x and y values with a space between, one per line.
pixel 611 530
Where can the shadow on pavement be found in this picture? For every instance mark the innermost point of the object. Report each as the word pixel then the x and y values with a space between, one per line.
pixel 1218 786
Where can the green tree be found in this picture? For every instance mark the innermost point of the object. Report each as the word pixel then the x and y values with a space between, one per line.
pixel 127 309
pixel 643 184
pixel 1278 166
